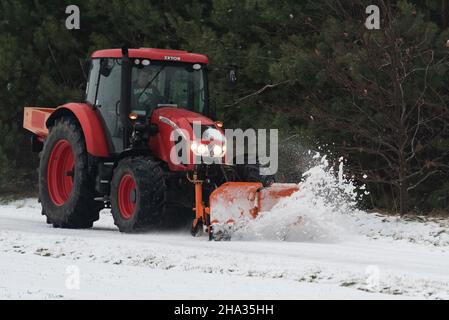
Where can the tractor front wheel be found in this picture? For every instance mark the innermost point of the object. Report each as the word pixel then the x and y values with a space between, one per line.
pixel 137 194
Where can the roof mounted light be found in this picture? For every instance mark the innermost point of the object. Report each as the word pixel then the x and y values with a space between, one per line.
pixel 196 66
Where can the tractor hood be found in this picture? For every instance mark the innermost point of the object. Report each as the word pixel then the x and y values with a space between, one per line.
pixel 176 118
pixel 179 116
pixel 170 119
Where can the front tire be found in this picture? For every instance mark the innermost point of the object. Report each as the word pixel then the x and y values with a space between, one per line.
pixel 66 190
pixel 137 194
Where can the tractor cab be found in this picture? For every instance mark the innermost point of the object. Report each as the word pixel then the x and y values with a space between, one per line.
pixel 139 81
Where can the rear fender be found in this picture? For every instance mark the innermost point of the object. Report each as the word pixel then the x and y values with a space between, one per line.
pixel 91 124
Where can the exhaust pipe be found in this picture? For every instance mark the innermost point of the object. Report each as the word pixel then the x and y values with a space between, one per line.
pixel 125 96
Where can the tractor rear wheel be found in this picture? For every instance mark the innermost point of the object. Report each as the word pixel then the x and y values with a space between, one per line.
pixel 66 190
pixel 138 194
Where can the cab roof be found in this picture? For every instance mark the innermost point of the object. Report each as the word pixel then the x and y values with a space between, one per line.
pixel 154 54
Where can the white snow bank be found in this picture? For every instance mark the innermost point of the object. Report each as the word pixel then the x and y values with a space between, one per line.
pixel 34 257
pixel 325 210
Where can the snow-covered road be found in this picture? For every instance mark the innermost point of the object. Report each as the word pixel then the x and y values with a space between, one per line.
pixel 387 259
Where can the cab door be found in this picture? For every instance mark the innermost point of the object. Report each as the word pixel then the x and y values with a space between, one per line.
pixel 103 92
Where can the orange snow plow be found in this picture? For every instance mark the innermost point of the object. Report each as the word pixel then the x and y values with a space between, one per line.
pixel 234 202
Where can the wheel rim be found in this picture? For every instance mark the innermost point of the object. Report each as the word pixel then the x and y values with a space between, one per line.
pixel 127 196
pixel 61 169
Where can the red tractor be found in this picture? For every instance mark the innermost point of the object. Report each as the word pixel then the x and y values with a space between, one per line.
pixel 116 149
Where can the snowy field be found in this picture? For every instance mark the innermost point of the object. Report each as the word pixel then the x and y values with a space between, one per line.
pixel 308 247
pixel 394 259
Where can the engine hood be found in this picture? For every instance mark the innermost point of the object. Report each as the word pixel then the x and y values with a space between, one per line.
pixel 169 120
pixel 180 116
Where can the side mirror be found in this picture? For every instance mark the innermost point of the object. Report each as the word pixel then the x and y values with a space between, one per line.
pixel 213 110
pixel 232 77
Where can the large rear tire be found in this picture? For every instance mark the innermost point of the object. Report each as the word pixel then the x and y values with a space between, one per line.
pixel 66 190
pixel 138 194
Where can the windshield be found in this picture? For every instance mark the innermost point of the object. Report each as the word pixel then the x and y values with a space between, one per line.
pixel 158 84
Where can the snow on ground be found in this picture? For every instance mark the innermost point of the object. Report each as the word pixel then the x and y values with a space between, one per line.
pixel 401 259
pixel 313 245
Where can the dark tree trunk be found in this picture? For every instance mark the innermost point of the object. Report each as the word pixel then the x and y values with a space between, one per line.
pixel 403 205
pixel 403 186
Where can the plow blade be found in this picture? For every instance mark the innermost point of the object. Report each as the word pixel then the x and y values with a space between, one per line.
pixel 237 202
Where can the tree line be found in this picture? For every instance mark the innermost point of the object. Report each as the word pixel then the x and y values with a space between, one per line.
pixel 310 68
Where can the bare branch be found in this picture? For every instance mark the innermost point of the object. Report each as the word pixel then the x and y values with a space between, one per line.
pixel 268 86
pixel 422 180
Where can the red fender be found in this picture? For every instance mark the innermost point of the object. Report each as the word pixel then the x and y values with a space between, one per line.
pixel 91 124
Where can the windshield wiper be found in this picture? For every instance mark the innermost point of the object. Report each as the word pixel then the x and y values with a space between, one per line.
pixel 150 82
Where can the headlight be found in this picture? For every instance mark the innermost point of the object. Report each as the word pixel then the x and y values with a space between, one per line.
pixel 198 148
pixel 217 150
pixel 201 149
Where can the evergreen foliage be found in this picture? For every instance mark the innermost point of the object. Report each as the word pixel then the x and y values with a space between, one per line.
pixel 310 68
